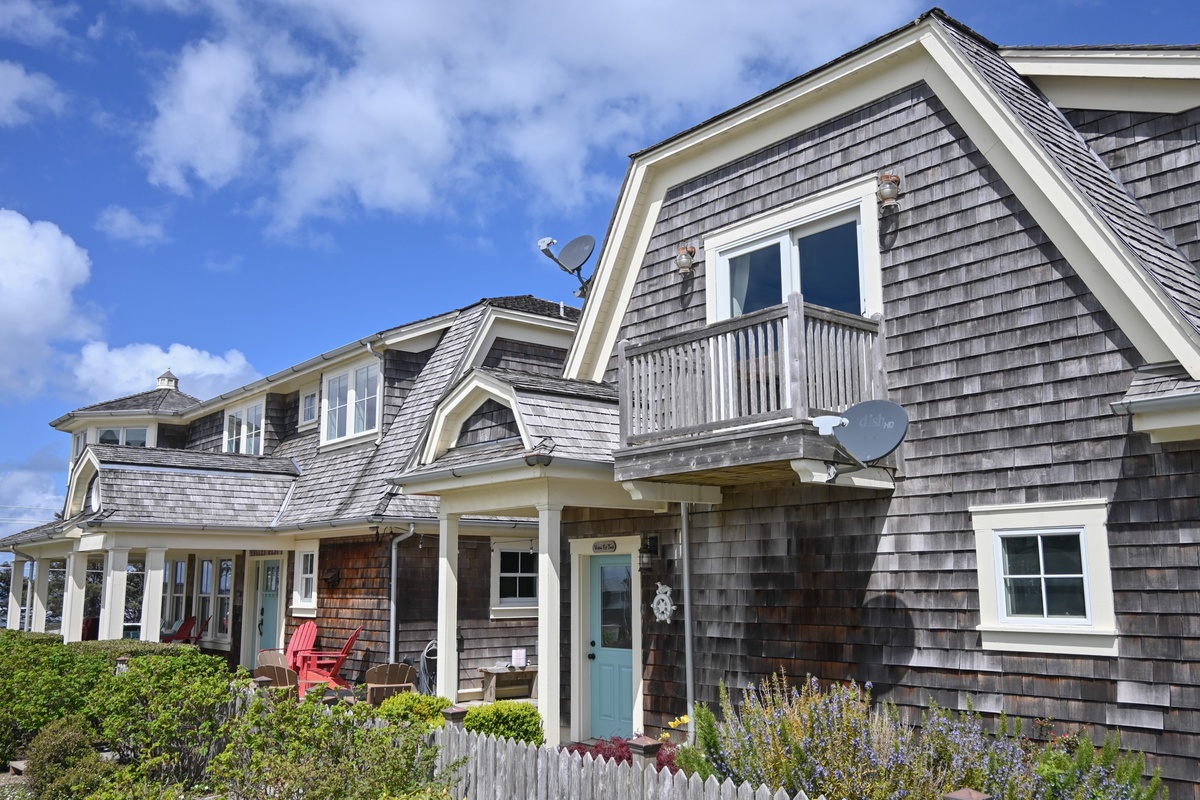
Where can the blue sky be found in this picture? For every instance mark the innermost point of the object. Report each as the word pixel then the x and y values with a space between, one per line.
pixel 229 187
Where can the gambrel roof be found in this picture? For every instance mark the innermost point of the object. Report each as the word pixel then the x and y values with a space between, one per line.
pixel 1135 270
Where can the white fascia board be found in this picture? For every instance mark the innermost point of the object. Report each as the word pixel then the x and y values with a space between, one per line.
pixel 847 85
pixel 84 468
pixel 525 495
pixel 1167 424
pixel 1148 95
pixel 674 492
pixel 1114 63
pixel 459 404
pixel 1145 314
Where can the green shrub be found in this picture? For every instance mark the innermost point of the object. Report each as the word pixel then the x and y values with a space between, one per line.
pixel 424 709
pixel 41 680
pixel 62 762
pixel 1071 767
pixel 285 750
pixel 163 715
pixel 507 719
pixel 112 649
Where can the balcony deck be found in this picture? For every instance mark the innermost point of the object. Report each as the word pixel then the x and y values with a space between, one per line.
pixel 726 403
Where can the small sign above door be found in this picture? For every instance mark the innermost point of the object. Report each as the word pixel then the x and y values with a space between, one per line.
pixel 606 546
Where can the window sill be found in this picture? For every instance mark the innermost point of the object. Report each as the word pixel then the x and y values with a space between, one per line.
pixel 303 611
pixel 1062 639
pixel 514 612
pixel 213 644
pixel 366 437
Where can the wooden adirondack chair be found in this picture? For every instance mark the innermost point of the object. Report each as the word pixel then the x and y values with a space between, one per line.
pixel 323 666
pixel 385 680
pixel 198 632
pixel 181 634
pixel 304 638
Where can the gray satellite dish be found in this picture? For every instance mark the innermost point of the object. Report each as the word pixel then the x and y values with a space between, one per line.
pixel 571 258
pixel 576 252
pixel 873 430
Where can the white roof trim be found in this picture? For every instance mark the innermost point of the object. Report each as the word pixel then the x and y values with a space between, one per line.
pixel 462 401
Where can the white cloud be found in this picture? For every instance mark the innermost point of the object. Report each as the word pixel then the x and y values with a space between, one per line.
pixel 122 224
pixel 32 23
pixel 202 110
pixel 40 269
pixel 22 94
pixel 29 495
pixel 104 373
pixel 410 108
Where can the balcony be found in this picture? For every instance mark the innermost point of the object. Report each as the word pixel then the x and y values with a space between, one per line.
pixel 724 404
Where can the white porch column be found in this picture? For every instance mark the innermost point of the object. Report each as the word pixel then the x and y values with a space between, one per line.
pixel 41 591
pixel 447 628
pixel 549 620
pixel 112 604
pixel 152 594
pixel 16 593
pixel 73 591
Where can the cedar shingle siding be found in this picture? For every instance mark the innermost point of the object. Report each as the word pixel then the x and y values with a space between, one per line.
pixel 1006 365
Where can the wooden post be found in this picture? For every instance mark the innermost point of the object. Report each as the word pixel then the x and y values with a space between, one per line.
pixel 645 750
pixel 797 357
pixel 549 640
pixel 16 593
pixel 454 716
pixel 73 591
pixel 625 396
pixel 881 391
pixel 447 628
pixel 41 591
pixel 152 594
pixel 112 607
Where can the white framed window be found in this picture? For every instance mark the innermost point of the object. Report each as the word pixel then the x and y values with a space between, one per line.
pixel 244 430
pixel 78 442
pixel 304 589
pixel 514 581
pixel 826 247
pixel 214 597
pixel 174 592
pixel 130 437
pixel 351 402
pixel 1045 585
pixel 308 407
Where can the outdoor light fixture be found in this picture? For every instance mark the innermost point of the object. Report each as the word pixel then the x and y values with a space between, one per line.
pixel 647 553
pixel 685 258
pixel 331 578
pixel 887 191
pixel 541 454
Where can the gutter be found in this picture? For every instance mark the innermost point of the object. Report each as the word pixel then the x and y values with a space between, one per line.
pixel 396 540
pixel 1176 402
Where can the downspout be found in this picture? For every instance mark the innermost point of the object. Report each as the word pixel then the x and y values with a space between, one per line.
pixel 689 666
pixel 396 540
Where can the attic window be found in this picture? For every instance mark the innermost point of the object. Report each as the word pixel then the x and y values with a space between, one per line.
pixel 130 437
pixel 491 422
pixel 244 429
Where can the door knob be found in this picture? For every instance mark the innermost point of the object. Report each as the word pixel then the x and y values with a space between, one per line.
pixel 591 656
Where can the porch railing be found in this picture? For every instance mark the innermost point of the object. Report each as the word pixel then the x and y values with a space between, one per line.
pixel 788 361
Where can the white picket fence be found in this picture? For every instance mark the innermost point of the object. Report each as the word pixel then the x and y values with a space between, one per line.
pixel 499 769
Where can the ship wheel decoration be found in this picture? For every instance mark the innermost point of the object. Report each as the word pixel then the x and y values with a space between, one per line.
pixel 662 605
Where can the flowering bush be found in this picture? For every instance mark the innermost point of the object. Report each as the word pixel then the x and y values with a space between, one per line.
pixel 831 742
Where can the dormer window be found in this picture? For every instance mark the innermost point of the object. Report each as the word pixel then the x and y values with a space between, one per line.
pixel 243 430
pixel 130 437
pixel 308 407
pixel 351 402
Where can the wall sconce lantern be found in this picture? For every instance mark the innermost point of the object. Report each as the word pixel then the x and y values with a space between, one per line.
pixel 685 258
pixel 647 554
pixel 331 578
pixel 887 191
pixel 541 454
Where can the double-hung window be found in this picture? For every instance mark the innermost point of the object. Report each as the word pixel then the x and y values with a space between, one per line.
pixel 824 247
pixel 1045 585
pixel 351 402
pixel 304 589
pixel 174 583
pixel 244 429
pixel 514 581
pixel 308 407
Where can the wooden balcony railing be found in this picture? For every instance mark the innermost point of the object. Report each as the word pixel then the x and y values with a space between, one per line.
pixel 788 361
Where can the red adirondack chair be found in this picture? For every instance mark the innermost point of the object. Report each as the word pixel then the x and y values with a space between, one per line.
pixel 198 632
pixel 323 666
pixel 181 634
pixel 304 638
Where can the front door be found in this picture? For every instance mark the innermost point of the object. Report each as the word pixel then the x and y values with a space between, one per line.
pixel 610 650
pixel 267 601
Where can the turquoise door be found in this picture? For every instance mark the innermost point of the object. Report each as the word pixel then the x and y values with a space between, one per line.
pixel 267 579
pixel 610 650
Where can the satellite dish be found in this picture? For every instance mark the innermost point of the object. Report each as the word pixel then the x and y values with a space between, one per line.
pixel 576 252
pixel 571 258
pixel 873 430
